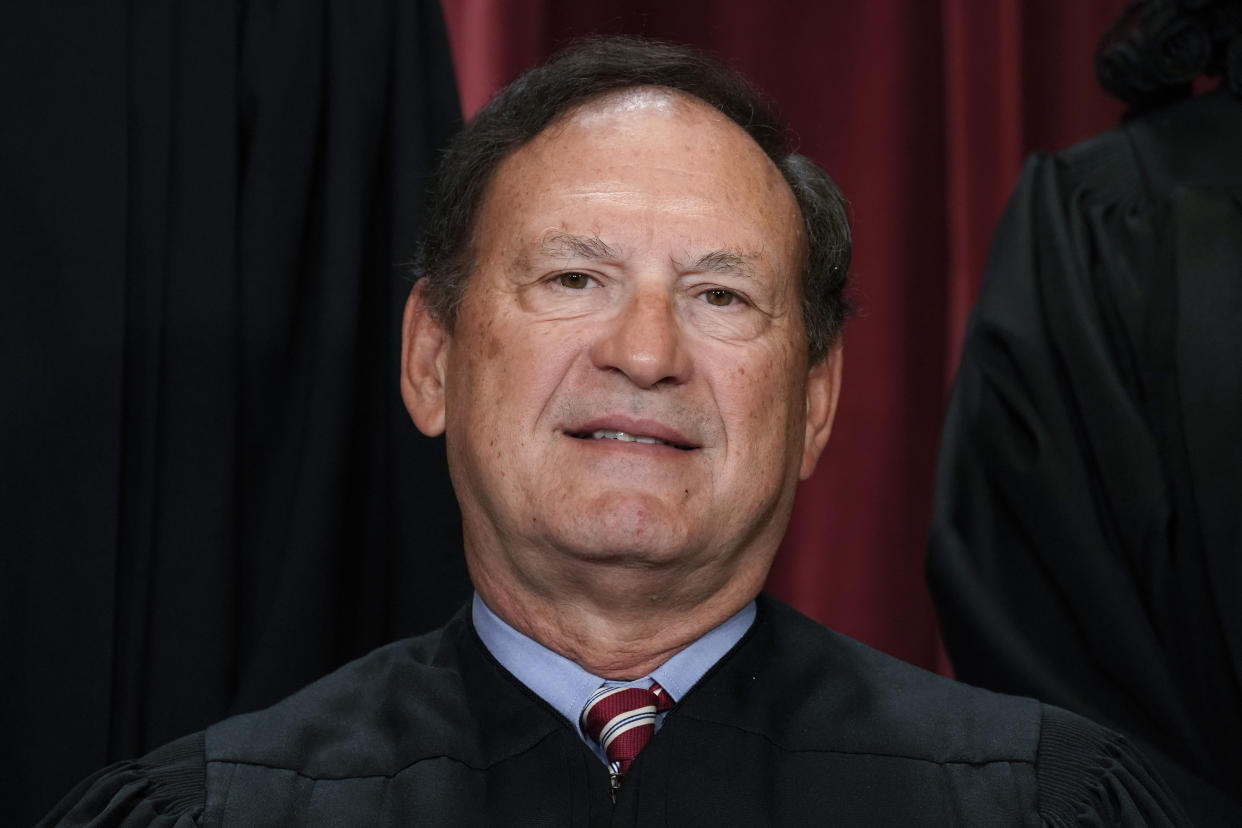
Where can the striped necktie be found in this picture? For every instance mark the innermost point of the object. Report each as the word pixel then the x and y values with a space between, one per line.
pixel 621 720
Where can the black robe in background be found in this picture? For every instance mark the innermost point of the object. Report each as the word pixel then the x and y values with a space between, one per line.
pixel 210 492
pixel 1086 547
pixel 797 725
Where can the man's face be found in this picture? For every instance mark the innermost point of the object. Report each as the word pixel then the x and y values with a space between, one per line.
pixel 627 380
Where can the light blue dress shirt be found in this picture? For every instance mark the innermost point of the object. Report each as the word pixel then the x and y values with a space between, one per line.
pixel 566 686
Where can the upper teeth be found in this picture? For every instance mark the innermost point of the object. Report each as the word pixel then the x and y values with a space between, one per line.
pixel 625 438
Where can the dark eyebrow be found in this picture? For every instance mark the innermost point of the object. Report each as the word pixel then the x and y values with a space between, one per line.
pixel 724 261
pixel 561 245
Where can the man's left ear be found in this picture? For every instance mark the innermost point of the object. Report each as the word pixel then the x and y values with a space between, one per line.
pixel 424 347
pixel 823 388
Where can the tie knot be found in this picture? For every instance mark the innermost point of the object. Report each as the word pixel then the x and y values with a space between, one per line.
pixel 621 720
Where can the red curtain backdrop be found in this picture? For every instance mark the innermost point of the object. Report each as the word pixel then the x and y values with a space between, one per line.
pixel 922 111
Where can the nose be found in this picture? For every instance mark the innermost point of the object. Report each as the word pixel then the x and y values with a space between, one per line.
pixel 644 340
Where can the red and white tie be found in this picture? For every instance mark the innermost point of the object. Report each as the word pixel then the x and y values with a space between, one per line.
pixel 621 720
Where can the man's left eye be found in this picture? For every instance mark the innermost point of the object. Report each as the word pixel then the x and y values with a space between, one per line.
pixel 719 297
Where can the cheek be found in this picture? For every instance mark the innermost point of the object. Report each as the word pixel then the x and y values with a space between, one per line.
pixel 765 401
pixel 507 369
pixel 760 378
pixel 493 347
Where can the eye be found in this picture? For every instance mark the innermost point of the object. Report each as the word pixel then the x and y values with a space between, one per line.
pixel 574 281
pixel 719 297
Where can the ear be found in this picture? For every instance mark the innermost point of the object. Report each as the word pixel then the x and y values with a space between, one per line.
pixel 823 388
pixel 424 346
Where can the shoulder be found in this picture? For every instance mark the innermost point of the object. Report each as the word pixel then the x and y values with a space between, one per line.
pixel 1188 144
pixel 808 691
pixel 389 709
pixel 167 787
pixel 1083 768
pixel 372 717
pixel 839 694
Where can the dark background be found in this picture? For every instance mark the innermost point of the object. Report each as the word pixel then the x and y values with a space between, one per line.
pixel 209 491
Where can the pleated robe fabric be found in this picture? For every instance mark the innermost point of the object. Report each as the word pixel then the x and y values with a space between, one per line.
pixel 1086 546
pixel 796 726
pixel 210 492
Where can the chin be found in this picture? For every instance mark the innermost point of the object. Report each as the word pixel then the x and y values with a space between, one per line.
pixel 628 532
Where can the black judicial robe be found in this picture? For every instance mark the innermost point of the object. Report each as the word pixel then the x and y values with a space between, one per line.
pixel 1086 545
pixel 798 725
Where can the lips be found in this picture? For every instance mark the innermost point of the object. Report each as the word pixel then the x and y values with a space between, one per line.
pixel 632 431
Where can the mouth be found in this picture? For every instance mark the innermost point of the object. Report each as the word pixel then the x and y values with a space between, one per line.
pixel 626 437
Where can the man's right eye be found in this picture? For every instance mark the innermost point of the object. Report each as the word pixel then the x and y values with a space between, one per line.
pixel 574 281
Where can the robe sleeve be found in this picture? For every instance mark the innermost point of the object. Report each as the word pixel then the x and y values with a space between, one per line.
pixel 1093 778
pixel 165 788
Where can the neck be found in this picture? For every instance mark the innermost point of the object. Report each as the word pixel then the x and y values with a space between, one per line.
pixel 620 623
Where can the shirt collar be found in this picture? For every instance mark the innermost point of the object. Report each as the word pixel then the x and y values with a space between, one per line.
pixel 566 686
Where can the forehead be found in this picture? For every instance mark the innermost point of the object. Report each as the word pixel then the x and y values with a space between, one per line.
pixel 652 152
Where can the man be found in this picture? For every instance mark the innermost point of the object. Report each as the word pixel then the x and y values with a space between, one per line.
pixel 628 329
